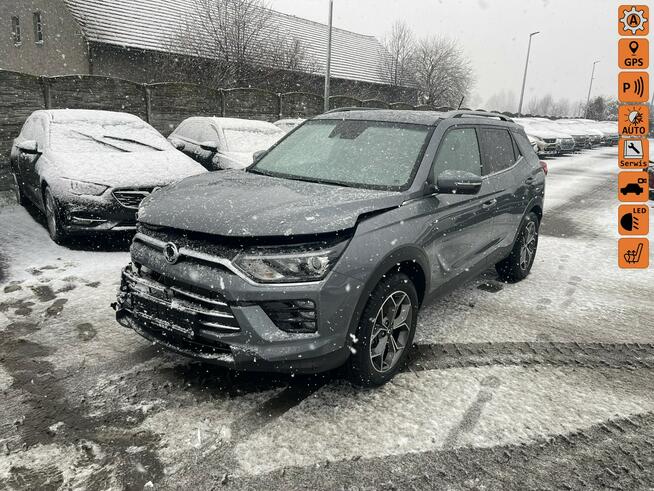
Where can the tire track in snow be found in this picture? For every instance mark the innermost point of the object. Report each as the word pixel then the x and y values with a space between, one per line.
pixel 628 356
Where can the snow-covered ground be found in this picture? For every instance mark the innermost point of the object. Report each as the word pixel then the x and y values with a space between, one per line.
pixel 523 368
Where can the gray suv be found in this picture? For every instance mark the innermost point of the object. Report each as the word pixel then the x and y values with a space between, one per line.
pixel 321 253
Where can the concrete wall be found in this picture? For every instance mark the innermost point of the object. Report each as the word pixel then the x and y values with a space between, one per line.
pixel 63 50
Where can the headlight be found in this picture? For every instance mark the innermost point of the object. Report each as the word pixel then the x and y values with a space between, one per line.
pixel 288 264
pixel 88 188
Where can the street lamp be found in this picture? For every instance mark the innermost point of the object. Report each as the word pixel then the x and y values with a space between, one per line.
pixel 524 77
pixel 592 76
pixel 328 65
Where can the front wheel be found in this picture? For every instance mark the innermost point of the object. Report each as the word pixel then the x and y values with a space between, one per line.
pixel 518 264
pixel 53 218
pixel 18 190
pixel 385 332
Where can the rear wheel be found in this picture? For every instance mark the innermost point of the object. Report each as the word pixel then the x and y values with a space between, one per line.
pixel 53 217
pixel 18 190
pixel 385 332
pixel 518 264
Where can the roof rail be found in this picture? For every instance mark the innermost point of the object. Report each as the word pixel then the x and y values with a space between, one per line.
pixel 350 108
pixel 482 114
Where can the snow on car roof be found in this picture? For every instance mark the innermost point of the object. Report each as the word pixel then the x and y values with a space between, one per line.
pixel 65 115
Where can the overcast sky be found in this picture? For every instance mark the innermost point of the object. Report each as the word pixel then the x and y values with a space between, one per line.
pixel 494 35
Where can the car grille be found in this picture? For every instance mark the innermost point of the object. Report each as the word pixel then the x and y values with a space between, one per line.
pixel 567 143
pixel 192 241
pixel 183 309
pixel 131 198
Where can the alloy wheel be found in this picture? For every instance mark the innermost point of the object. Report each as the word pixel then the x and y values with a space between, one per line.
pixel 390 331
pixel 528 246
pixel 51 213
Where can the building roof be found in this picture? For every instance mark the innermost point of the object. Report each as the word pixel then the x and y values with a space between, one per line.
pixel 158 24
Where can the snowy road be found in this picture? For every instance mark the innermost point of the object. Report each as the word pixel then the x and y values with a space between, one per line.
pixel 549 382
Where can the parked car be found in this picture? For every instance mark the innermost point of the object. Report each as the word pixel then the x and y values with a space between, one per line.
pixel 88 171
pixel 287 125
pixel 322 252
pixel 224 143
pixel 584 136
pixel 548 141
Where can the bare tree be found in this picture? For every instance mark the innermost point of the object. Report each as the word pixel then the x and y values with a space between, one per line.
pixel 396 67
pixel 242 41
pixel 442 73
pixel 502 101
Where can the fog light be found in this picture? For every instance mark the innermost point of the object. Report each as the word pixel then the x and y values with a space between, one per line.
pixel 294 316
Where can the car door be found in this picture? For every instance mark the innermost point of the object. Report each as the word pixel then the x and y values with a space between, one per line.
pixel 27 162
pixel 499 157
pixel 461 228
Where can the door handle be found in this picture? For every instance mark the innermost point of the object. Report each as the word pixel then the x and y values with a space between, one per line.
pixel 529 181
pixel 489 204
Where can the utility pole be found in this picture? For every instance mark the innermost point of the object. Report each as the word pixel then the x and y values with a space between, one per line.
pixel 524 77
pixel 590 87
pixel 328 65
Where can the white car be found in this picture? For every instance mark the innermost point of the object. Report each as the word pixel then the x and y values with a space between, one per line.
pixel 88 171
pixel 287 125
pixel 224 143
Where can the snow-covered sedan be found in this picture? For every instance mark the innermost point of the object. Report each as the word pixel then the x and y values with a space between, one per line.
pixel 224 143
pixel 88 171
pixel 288 124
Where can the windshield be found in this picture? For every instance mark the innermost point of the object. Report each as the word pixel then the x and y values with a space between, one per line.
pixel 366 154
pixel 250 139
pixel 101 136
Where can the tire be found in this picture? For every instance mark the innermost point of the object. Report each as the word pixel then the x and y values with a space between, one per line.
pixel 53 218
pixel 518 264
pixel 376 361
pixel 21 199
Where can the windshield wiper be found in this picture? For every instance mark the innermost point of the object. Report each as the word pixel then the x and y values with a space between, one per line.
pixel 98 140
pixel 132 140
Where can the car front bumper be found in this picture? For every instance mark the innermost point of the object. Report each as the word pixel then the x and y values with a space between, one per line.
pixel 246 338
pixel 96 214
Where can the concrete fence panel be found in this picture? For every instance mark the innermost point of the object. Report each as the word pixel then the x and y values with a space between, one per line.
pixel 21 94
pixel 337 101
pixel 375 103
pixel 91 92
pixel 251 104
pixel 301 105
pixel 170 103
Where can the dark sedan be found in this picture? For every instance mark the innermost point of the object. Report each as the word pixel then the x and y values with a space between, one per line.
pixel 88 171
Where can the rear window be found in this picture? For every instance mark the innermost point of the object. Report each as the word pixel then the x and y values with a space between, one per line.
pixel 496 149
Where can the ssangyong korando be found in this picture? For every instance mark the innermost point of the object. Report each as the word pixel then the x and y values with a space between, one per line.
pixel 321 253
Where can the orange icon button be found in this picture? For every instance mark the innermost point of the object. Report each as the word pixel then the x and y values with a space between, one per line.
pixel 633 219
pixel 633 186
pixel 633 87
pixel 633 153
pixel 633 20
pixel 633 120
pixel 633 253
pixel 633 53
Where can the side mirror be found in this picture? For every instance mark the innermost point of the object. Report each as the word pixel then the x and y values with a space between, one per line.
pixel 30 147
pixel 258 155
pixel 178 144
pixel 210 146
pixel 458 182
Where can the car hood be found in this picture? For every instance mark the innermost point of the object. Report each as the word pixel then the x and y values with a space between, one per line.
pixel 539 133
pixel 243 204
pixel 125 169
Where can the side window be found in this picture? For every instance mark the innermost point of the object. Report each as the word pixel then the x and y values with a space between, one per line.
pixel 459 150
pixel 189 130
pixel 27 132
pixel 496 149
pixel 516 149
pixel 208 133
pixel 39 132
